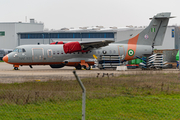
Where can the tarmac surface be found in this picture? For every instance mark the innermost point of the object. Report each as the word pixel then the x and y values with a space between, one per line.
pixel 45 73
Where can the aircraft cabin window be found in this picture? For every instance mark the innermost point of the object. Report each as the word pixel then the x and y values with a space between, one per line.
pixel 58 52
pixel 54 52
pixel 49 53
pixel 110 52
pixel 114 52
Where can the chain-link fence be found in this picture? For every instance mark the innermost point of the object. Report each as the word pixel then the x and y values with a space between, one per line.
pixel 141 96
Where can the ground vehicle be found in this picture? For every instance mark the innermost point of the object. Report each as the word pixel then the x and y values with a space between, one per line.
pixel 3 52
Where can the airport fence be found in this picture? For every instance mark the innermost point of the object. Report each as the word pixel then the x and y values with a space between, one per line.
pixel 142 96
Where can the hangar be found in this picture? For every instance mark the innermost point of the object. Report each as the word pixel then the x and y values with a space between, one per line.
pixel 46 37
pixel 116 34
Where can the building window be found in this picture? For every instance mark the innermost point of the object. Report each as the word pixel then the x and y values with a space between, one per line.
pixel 54 35
pixel 109 35
pixel 85 35
pixel 65 35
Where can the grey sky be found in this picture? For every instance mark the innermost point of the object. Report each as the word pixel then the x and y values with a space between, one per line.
pixel 56 14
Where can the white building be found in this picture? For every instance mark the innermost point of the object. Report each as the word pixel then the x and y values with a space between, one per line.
pixel 169 39
pixel 9 30
pixel 46 37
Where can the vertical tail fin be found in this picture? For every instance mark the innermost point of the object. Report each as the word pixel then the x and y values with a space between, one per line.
pixel 154 33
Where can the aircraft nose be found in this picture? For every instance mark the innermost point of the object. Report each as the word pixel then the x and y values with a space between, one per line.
pixel 5 58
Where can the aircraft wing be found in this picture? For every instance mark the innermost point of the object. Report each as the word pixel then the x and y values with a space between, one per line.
pixel 84 46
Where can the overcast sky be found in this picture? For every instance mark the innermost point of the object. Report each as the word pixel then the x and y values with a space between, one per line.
pixel 56 14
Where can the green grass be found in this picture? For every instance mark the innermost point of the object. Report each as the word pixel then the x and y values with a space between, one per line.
pixel 121 107
pixel 143 96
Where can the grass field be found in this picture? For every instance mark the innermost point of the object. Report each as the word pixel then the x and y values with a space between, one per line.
pixel 143 96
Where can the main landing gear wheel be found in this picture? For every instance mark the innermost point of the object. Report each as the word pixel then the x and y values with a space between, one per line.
pixel 15 68
pixel 88 68
pixel 78 67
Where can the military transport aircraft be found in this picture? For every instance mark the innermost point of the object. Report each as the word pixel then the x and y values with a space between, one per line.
pixel 80 53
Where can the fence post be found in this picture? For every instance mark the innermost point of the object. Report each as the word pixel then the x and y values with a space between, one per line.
pixel 83 95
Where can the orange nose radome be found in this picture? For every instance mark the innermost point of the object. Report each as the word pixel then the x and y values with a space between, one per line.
pixel 5 58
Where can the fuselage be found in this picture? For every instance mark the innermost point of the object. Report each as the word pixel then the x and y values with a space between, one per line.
pixel 54 54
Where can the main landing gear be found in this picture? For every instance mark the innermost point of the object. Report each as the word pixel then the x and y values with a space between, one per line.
pixel 83 65
pixel 79 67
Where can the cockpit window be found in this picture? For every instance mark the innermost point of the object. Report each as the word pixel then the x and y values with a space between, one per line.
pixel 23 50
pixel 20 50
pixel 15 50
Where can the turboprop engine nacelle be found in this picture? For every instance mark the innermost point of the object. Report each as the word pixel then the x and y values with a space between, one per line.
pixel 70 47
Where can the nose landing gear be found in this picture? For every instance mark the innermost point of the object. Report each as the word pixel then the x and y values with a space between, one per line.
pixel 16 67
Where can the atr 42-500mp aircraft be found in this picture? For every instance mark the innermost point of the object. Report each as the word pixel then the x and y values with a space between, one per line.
pixel 78 54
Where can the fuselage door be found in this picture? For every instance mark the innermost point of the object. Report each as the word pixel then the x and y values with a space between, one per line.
pixel 50 53
pixel 121 51
pixel 37 54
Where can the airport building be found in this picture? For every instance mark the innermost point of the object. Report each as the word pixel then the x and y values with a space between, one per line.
pixel 82 34
pixel 85 34
pixel 9 30
pixel 170 39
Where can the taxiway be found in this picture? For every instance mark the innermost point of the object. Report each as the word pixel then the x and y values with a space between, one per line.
pixel 45 73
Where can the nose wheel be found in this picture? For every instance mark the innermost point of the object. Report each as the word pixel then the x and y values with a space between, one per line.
pixel 16 67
